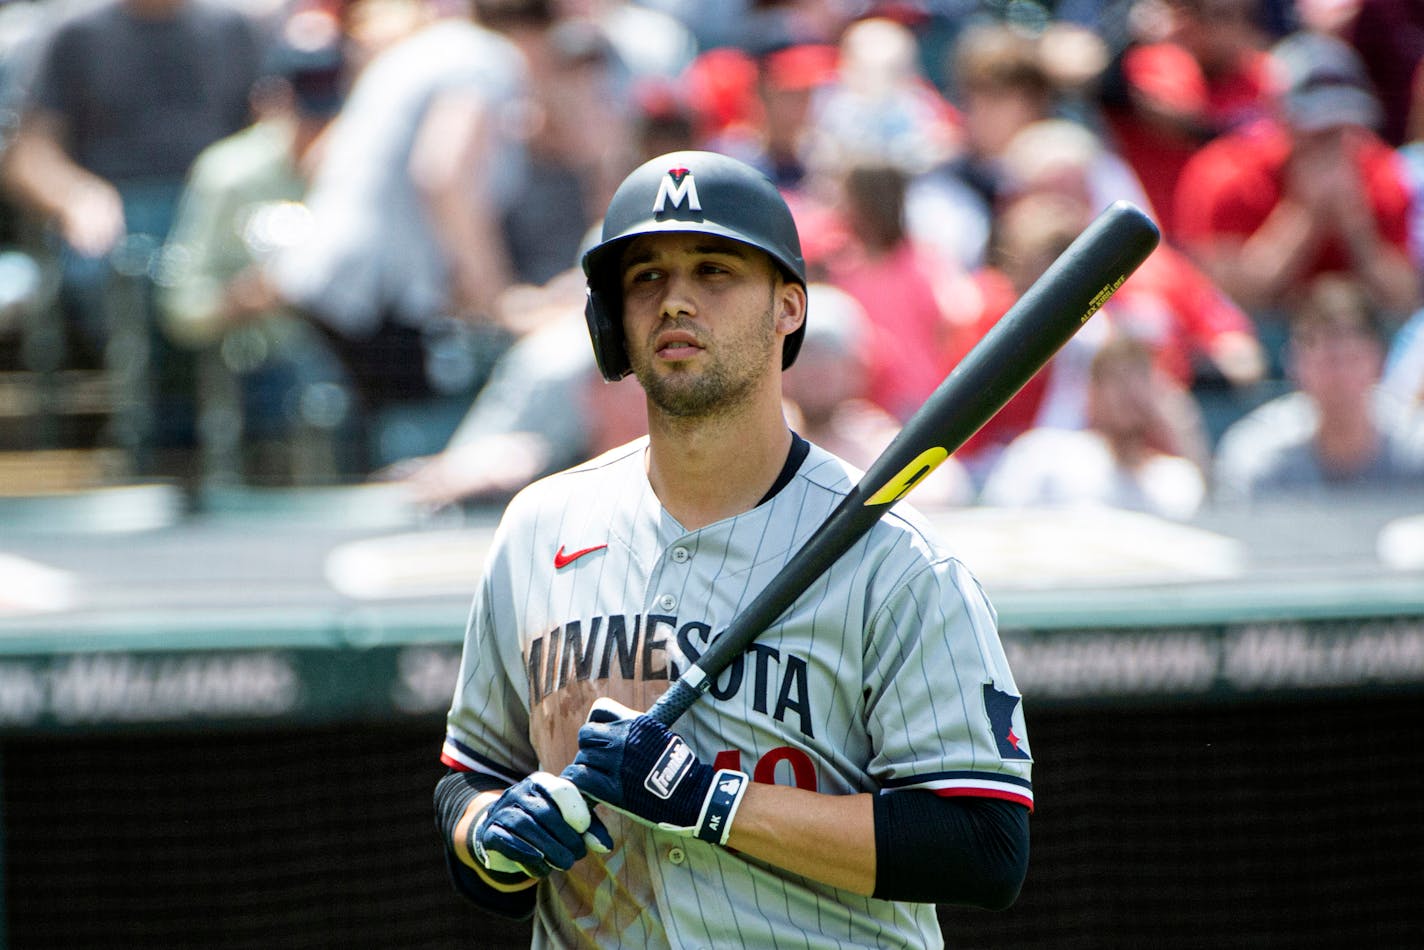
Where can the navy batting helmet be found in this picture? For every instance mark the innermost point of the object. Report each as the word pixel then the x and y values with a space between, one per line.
pixel 685 191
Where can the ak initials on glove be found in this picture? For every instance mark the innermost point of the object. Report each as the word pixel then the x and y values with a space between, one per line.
pixel 538 825
pixel 639 767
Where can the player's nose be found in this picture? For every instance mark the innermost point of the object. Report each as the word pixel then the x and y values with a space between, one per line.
pixel 679 298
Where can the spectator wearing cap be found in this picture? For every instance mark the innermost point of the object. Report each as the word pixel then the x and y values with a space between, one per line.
pixel 768 127
pixel 1308 191
pixel 211 282
pixel 788 79
pixel 1200 73
pixel 241 201
pixel 760 107
pixel 1226 41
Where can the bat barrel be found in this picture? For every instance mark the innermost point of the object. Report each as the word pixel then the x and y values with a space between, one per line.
pixel 1073 288
pixel 1037 326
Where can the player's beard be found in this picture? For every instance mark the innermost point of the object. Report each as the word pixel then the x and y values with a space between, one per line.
pixel 722 383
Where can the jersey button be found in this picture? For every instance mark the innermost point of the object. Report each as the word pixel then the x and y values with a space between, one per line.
pixel 677 855
pixel 681 555
pixel 667 602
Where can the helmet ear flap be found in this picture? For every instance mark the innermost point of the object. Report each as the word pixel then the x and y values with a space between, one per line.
pixel 792 345
pixel 605 330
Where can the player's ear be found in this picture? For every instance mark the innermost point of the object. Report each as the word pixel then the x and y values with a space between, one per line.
pixel 790 306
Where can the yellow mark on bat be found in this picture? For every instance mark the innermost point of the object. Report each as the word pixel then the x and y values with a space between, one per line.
pixel 1101 297
pixel 908 477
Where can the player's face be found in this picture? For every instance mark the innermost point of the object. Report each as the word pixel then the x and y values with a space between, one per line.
pixel 702 316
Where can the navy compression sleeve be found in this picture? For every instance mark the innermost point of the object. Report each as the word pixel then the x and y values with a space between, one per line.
pixel 453 794
pixel 963 850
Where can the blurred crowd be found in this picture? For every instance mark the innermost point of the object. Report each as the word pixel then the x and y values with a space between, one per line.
pixel 314 242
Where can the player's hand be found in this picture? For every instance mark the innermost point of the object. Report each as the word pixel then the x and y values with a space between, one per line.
pixel 540 824
pixel 637 766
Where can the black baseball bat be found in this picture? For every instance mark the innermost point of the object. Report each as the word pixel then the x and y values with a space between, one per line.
pixel 1044 318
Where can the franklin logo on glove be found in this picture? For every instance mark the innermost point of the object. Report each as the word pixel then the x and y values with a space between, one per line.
pixel 640 768
pixel 675 762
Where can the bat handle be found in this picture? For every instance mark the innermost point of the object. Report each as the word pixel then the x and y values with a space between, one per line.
pixel 677 700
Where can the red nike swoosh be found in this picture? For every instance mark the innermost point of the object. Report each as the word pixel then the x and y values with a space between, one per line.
pixel 562 560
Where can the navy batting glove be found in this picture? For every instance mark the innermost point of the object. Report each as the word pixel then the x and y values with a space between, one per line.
pixel 536 826
pixel 639 767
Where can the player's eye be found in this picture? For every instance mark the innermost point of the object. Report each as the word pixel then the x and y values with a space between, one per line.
pixel 641 275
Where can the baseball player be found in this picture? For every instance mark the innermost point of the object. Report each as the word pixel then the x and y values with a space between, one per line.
pixel 865 759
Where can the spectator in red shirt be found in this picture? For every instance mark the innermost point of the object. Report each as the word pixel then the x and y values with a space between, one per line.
pixel 1204 73
pixel 773 111
pixel 1170 304
pixel 916 306
pixel 1026 241
pixel 826 403
pixel 1311 191
pixel 1032 231
pixel 1226 40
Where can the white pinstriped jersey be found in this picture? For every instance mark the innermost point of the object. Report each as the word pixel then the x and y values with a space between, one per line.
pixel 887 674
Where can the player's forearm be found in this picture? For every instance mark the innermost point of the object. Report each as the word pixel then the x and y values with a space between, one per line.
pixel 828 838
pixel 459 798
pixel 906 846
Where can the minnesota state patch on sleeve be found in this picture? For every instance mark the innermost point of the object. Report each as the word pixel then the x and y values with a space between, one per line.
pixel 1009 733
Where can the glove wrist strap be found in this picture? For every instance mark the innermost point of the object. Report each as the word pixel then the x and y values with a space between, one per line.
pixel 715 823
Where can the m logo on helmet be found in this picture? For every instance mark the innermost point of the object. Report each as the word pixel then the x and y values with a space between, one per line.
pixel 677 186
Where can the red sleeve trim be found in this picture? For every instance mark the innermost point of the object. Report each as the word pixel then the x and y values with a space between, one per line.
pixel 985 793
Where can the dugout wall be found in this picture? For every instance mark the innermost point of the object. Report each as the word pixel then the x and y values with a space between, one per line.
pixel 224 733
pixel 1251 783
